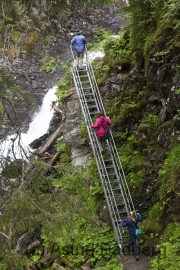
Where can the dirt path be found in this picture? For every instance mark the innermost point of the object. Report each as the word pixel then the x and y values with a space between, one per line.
pixel 130 263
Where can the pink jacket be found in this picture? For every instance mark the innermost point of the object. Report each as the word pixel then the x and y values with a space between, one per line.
pixel 101 125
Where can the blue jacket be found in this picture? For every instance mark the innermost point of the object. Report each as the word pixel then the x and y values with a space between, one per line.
pixel 79 42
pixel 131 225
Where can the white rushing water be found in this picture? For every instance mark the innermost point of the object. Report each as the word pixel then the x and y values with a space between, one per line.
pixel 37 128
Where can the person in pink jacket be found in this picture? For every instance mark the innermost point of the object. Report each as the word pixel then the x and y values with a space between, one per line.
pixel 101 126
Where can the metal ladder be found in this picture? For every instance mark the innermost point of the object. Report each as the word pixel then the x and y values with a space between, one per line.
pixel 113 180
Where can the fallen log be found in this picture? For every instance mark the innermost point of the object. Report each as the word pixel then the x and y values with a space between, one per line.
pixel 50 141
pixel 55 107
pixel 33 246
pixel 55 157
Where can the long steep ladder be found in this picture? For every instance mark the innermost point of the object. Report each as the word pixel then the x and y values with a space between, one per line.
pixel 117 194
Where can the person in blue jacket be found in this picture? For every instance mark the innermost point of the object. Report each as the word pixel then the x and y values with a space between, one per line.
pixel 132 223
pixel 79 42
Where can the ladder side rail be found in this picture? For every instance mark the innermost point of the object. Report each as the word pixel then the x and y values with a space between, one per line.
pixel 111 198
pixel 92 89
pixel 118 173
pixel 120 187
pixel 98 100
pixel 72 53
pixel 116 225
pixel 93 81
pixel 104 174
pixel 95 87
pixel 124 184
pixel 121 173
pixel 118 229
pixel 91 78
pixel 76 80
pixel 80 92
pixel 82 99
pixel 80 89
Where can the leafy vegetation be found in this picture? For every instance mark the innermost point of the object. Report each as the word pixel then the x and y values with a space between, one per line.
pixel 63 85
pixel 50 64
pixel 168 257
pixel 64 203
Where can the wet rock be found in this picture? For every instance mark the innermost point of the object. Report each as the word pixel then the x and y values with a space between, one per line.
pixel 38 142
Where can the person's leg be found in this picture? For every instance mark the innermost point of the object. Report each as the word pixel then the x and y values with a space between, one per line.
pixel 100 143
pixel 134 245
pixel 103 143
pixel 77 59
pixel 81 55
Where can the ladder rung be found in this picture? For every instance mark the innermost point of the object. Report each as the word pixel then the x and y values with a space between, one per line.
pixel 88 94
pixel 92 106
pixel 90 100
pixel 107 159
pixel 82 76
pixel 116 188
pixel 118 204
pixel 111 173
pixel 116 196
pixel 120 211
pixel 125 244
pixel 93 113
pixel 109 166
pixel 86 88
pixel 111 181
pixel 85 82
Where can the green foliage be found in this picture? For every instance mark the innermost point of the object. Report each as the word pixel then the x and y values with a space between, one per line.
pixel 177 116
pixel 153 120
pixel 168 178
pixel 63 85
pixel 133 164
pixel 75 217
pixel 152 225
pixel 112 264
pixel 124 108
pixel 64 149
pixel 102 72
pixel 169 173
pixel 117 47
pixel 168 259
pixel 84 132
pixel 140 21
pixel 50 64
pixel 171 13
pixel 99 244
pixel 177 91
pixel 11 260
pixel 49 39
pixel 159 57
pixel 148 17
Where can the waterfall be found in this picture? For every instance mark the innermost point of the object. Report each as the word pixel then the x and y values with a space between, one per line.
pixel 37 128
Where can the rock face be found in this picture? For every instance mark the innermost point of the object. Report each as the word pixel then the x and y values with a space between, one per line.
pixel 72 119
